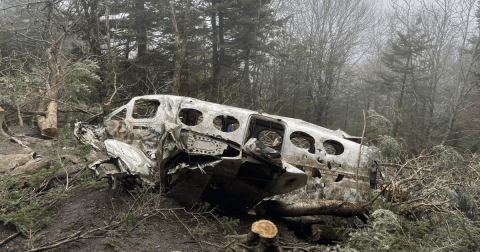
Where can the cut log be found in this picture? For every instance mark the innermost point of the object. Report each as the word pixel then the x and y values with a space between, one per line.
pixel 48 124
pixel 307 207
pixel 263 237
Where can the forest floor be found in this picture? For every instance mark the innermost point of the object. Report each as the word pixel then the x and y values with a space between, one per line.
pixel 93 217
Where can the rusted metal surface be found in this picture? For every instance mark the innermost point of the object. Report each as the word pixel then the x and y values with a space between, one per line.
pixel 229 156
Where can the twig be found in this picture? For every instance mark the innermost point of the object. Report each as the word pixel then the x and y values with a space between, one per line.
pixel 299 248
pixel 23 4
pixel 383 189
pixel 18 141
pixel 58 242
pixel 212 244
pixel 408 167
pixel 245 247
pixel 218 246
pixel 291 244
pixel 228 245
pixel 73 237
pixel 188 230
pixel 9 238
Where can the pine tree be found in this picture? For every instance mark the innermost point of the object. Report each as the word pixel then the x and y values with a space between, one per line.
pixel 406 63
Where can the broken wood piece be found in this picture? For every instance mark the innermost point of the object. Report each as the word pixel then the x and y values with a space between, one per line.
pixel 48 124
pixel 18 141
pixel 264 236
pixel 294 208
pixel 10 162
pixel 32 165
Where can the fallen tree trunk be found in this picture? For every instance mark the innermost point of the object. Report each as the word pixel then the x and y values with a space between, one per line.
pixel 297 208
pixel 48 124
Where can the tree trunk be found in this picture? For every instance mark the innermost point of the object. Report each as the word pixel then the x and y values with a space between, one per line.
pixel 296 208
pixel 48 124
pixel 215 64
pixel 396 123
pixel 180 47
pixel 141 30
pixel 221 37
pixel 19 115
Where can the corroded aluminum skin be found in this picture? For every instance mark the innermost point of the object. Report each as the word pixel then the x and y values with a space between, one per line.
pixel 164 137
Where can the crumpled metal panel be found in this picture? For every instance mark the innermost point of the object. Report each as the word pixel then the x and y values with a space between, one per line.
pixel 131 161
pixel 90 135
pixel 203 145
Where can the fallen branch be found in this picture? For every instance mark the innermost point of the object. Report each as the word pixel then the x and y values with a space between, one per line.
pixel 188 230
pixel 380 193
pixel 9 238
pixel 406 166
pixel 73 237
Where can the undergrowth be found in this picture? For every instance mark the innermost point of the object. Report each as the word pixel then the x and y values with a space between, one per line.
pixel 24 200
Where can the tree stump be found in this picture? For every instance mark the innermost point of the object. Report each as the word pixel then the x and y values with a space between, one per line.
pixel 263 237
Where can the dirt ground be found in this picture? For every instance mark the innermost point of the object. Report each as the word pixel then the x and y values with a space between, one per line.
pixel 161 224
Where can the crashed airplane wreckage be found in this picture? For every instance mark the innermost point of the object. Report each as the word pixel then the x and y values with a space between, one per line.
pixel 228 156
